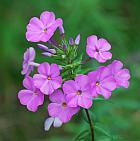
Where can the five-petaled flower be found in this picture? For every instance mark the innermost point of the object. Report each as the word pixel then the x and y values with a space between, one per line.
pixel 98 49
pixel 42 29
pixel 31 96
pixel 102 82
pixel 120 75
pixel 48 79
pixel 78 92
pixel 59 107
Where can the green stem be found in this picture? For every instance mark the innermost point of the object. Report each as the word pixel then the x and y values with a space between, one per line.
pixel 91 125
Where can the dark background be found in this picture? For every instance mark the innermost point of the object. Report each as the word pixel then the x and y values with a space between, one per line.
pixel 116 20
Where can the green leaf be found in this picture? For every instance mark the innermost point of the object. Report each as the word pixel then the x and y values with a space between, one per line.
pixel 82 135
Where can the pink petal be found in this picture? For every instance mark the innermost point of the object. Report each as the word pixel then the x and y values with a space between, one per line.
pixel 25 96
pixel 54 69
pixel 58 22
pixel 99 58
pixel 72 99
pixel 124 74
pixel 35 25
pixel 69 87
pixel 103 45
pixel 115 66
pixel 57 97
pixel 39 80
pixel 28 83
pixel 104 92
pixel 106 55
pixel 31 53
pixel 47 18
pixel 82 82
pixel 92 41
pixel 46 88
pixel 44 68
pixel 54 109
pixel 104 72
pixel 56 82
pixel 108 83
pixel 33 37
pixel 33 104
pixel 84 102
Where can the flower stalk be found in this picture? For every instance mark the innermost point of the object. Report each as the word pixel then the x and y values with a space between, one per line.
pixel 91 125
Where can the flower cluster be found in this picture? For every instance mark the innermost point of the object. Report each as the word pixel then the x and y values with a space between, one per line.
pixel 63 81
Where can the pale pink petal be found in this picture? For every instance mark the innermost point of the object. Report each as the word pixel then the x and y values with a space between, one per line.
pixel 108 83
pixel 69 87
pixel 123 74
pixel 56 82
pixel 103 45
pixel 115 66
pixel 57 97
pixel 48 123
pixel 33 104
pixel 28 83
pixel 39 80
pixel 24 96
pixel 35 25
pixel 54 69
pixel 54 109
pixel 44 68
pixel 92 41
pixel 72 99
pixel 84 102
pixel 57 122
pixel 33 37
pixel 90 52
pixel 106 55
pixel 82 82
pixel 104 92
pixel 47 18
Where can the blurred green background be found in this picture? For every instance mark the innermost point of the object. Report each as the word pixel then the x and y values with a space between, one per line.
pixel 116 20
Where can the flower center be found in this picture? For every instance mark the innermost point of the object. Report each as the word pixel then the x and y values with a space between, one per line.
pixel 97 83
pixel 44 30
pixel 79 92
pixel 49 78
pixel 64 104
pixel 97 50
pixel 36 94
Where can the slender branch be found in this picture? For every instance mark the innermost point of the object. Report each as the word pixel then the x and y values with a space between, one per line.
pixel 91 125
pixel 87 60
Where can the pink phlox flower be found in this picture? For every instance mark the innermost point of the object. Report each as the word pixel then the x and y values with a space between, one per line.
pixel 42 29
pixel 78 92
pixel 102 82
pixel 48 79
pixel 31 96
pixel 98 49
pixel 59 107
pixel 120 75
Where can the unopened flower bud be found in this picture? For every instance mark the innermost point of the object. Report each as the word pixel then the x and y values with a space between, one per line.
pixel 43 47
pixel 47 54
pixel 71 42
pixel 61 29
pixel 77 40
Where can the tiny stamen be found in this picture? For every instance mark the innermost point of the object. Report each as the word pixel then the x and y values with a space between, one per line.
pixel 64 104
pixel 79 92
pixel 49 78
pixel 44 30
pixel 97 83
